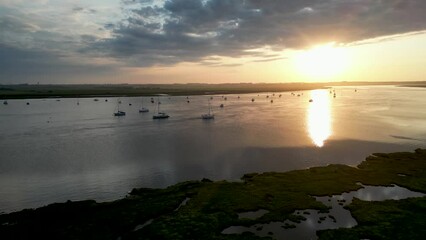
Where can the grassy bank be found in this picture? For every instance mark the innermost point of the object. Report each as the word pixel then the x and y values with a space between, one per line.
pixel 81 91
pixel 214 206
pixel 25 91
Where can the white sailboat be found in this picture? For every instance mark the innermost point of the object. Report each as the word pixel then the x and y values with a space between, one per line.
pixel 119 113
pixel 208 115
pixel 143 109
pixel 160 115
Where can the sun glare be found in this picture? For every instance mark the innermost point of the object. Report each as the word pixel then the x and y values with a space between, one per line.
pixel 319 117
pixel 322 62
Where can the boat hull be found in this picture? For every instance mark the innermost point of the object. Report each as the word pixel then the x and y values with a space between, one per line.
pixel 207 116
pixel 160 117
pixel 119 114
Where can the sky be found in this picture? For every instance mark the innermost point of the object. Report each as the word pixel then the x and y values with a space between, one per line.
pixel 211 41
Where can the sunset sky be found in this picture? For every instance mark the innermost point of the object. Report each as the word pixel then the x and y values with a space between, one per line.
pixel 211 41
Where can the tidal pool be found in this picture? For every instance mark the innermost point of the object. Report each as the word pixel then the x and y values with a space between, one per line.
pixel 337 217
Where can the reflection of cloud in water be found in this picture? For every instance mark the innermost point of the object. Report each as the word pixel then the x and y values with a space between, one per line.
pixel 319 117
pixel 379 193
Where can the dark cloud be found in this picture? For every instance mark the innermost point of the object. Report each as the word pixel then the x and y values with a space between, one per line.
pixel 269 59
pixel 77 9
pixel 83 10
pixel 190 30
pixel 31 66
pixel 10 23
pixel 85 38
pixel 157 32
pixel 109 26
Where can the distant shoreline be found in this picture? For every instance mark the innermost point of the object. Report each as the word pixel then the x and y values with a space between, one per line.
pixel 28 91
pixel 420 86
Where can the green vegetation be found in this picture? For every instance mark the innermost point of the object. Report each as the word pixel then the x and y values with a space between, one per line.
pixel 402 219
pixel 107 90
pixel 214 206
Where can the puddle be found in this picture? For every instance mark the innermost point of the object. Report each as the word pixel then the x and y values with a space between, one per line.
pixel 337 217
pixel 378 193
pixel 253 215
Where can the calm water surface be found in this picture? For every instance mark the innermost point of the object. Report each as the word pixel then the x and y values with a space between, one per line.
pixel 52 151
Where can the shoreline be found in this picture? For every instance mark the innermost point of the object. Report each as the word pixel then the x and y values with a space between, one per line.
pixel 25 91
pixel 211 206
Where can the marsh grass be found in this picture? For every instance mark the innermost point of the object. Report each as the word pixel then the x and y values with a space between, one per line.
pixel 214 206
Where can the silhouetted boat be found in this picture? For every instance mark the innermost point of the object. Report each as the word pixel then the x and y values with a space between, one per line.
pixel 119 113
pixel 208 115
pixel 310 100
pixel 5 102
pixel 143 109
pixel 160 115
pixel 95 99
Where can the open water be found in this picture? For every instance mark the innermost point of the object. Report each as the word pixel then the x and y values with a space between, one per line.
pixel 53 150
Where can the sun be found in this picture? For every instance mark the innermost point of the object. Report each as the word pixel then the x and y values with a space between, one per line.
pixel 321 62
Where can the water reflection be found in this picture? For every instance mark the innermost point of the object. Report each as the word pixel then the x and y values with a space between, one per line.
pixel 319 117
pixel 337 216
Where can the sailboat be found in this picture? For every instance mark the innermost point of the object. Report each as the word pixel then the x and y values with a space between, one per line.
pixel 208 115
pixel 160 115
pixel 119 113
pixel 143 109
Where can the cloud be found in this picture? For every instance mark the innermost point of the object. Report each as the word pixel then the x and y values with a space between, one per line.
pixel 43 41
pixel 19 65
pixel 10 23
pixel 270 59
pixel 168 32
pixel 46 37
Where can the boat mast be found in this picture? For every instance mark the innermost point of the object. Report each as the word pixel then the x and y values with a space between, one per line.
pixel 158 105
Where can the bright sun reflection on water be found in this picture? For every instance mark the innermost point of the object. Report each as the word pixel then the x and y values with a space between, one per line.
pixel 319 117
